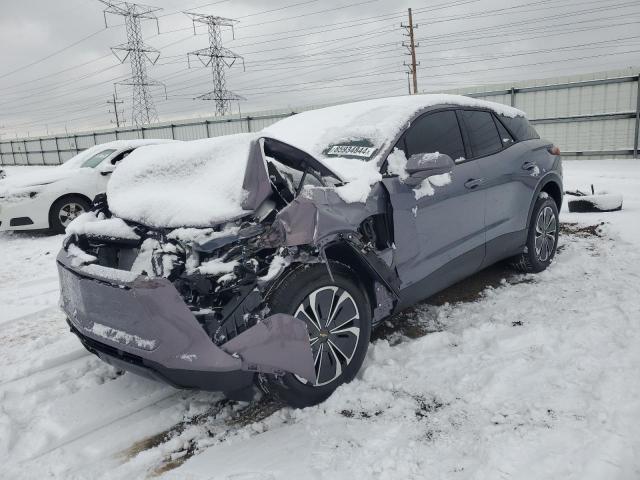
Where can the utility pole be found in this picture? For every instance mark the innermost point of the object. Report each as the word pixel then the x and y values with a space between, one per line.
pixel 115 102
pixel 411 46
pixel 218 58
pixel 143 111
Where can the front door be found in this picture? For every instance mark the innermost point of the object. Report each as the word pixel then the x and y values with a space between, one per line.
pixel 442 231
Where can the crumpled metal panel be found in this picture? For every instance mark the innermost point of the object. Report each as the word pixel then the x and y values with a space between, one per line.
pixel 256 179
pixel 278 343
pixel 321 213
pixel 149 319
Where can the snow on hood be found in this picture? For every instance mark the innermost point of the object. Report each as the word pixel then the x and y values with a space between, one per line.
pixel 344 135
pixel 186 184
pixel 32 179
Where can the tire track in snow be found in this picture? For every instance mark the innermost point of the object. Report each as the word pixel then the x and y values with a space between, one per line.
pixel 58 363
pixel 28 316
pixel 37 281
pixel 105 420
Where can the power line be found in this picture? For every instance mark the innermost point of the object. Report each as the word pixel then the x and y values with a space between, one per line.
pixel 46 57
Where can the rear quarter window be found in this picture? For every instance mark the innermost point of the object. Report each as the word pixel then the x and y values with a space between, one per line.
pixel 520 128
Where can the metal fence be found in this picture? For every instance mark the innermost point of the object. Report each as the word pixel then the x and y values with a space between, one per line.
pixel 587 116
pixel 56 149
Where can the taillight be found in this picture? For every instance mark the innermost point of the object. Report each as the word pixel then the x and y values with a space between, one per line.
pixel 553 150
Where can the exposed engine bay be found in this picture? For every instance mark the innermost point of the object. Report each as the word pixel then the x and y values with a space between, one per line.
pixel 224 273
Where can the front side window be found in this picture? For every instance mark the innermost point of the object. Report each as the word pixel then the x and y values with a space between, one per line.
pixel 95 160
pixel 483 134
pixel 436 132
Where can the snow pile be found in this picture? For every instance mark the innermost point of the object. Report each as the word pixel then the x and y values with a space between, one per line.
pixel 187 184
pixel 79 256
pixel 599 201
pixel 277 265
pixel 94 226
pixel 397 165
pixel 217 266
pixel 201 235
pixel 110 274
pixel 358 126
pixel 426 187
pixel 359 177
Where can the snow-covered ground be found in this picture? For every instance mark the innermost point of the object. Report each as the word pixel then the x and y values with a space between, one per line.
pixel 536 378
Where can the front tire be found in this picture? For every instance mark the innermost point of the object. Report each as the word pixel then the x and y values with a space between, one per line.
pixel 338 316
pixel 65 210
pixel 542 238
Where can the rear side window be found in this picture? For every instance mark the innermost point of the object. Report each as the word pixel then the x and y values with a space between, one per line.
pixel 436 132
pixel 520 128
pixel 505 136
pixel 483 134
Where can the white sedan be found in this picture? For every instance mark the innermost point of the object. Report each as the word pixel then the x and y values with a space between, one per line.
pixel 51 198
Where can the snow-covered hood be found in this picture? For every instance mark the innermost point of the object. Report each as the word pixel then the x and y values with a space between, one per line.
pixel 186 184
pixel 39 177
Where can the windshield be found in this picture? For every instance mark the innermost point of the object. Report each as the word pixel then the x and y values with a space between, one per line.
pixel 96 159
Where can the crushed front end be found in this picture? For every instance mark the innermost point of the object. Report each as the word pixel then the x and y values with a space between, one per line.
pixel 185 306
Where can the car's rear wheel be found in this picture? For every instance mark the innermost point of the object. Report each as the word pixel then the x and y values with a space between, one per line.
pixel 65 210
pixel 338 316
pixel 542 238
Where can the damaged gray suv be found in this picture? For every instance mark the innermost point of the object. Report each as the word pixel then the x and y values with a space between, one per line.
pixel 267 259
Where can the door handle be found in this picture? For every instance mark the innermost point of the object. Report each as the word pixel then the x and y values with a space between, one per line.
pixel 473 183
pixel 528 165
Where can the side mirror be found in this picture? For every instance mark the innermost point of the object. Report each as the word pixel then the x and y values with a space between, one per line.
pixel 424 165
pixel 107 168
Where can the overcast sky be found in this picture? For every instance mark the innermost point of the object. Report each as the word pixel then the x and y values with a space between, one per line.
pixel 296 52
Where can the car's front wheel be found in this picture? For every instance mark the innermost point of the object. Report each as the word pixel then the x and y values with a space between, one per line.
pixel 338 317
pixel 542 238
pixel 65 210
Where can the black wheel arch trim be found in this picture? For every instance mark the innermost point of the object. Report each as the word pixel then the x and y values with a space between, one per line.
pixel 549 178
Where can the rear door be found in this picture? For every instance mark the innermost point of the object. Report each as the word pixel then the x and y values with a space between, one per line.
pixel 503 166
pixel 434 230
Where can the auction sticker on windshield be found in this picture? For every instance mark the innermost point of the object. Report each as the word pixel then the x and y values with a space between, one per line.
pixel 351 150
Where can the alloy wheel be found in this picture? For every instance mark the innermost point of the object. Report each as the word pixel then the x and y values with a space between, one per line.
pixel 545 236
pixel 333 321
pixel 69 212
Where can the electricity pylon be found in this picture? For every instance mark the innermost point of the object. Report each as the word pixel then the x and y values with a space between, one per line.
pixel 143 111
pixel 218 58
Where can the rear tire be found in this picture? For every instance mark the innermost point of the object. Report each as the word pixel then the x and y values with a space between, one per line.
pixel 342 311
pixel 542 238
pixel 65 210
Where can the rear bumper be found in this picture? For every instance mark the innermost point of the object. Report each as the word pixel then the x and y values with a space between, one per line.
pixel 142 325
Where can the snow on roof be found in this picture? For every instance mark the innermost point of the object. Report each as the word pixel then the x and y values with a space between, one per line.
pixel 362 130
pixel 185 184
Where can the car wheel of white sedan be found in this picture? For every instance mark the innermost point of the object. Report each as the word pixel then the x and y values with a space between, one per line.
pixel 65 210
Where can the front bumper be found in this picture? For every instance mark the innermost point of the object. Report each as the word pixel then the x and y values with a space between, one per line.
pixel 26 214
pixel 142 325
